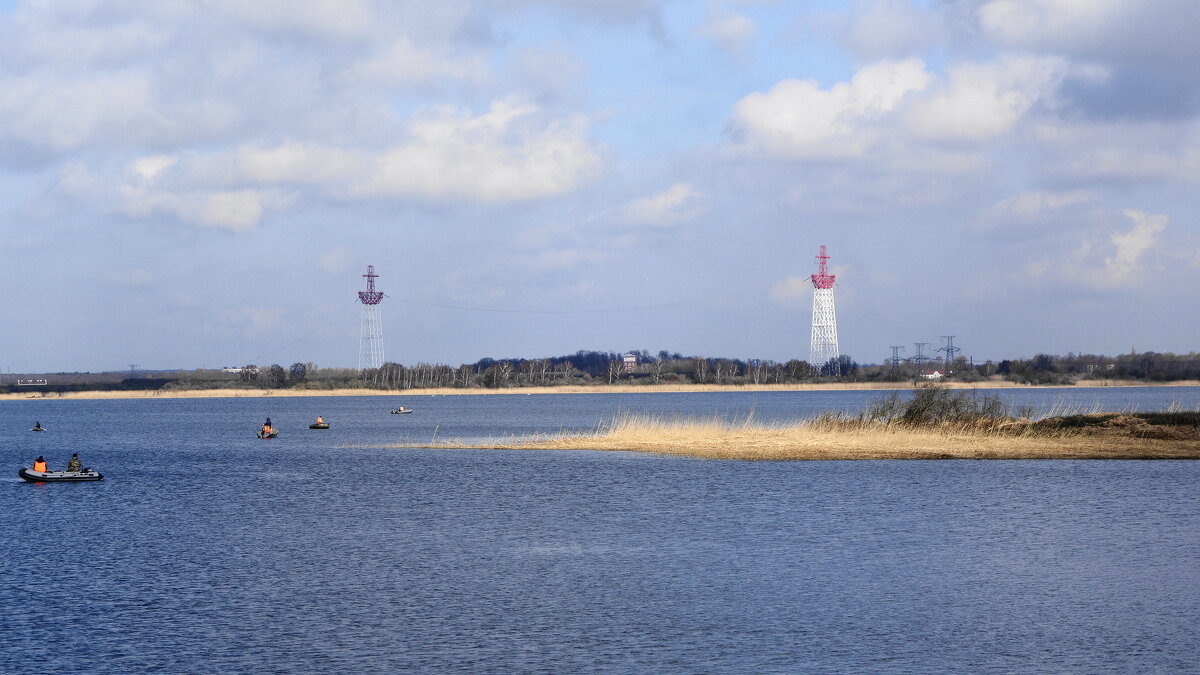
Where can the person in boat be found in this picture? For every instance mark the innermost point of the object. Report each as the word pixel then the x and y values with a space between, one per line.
pixel 400 409
pixel 39 464
pixel 74 464
pixel 267 429
pixel 37 426
pixel 320 420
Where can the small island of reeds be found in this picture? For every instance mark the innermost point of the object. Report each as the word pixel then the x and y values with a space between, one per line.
pixel 934 422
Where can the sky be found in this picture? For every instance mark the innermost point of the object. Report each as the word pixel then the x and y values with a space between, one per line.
pixel 188 184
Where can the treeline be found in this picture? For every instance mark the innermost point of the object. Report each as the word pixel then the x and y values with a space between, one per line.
pixel 580 368
pixel 1146 366
pixel 607 368
pixel 1052 369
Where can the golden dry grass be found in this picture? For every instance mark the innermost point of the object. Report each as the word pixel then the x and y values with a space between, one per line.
pixel 825 439
pixel 574 389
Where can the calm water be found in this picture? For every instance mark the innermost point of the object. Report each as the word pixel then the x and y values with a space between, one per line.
pixel 206 549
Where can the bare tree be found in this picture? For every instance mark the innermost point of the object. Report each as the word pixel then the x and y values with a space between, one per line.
pixel 564 370
pixel 506 371
pixel 543 369
pixel 656 370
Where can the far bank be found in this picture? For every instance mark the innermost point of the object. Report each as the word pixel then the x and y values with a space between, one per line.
pixel 571 389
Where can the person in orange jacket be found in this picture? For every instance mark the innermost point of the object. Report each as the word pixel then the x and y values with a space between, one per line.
pixel 267 429
pixel 39 464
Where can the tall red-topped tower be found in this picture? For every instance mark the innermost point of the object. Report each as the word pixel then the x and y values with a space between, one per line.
pixel 824 347
pixel 370 344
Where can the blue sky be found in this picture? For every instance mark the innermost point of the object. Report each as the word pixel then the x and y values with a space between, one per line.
pixel 188 184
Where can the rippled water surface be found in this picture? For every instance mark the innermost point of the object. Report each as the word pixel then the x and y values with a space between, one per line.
pixel 206 549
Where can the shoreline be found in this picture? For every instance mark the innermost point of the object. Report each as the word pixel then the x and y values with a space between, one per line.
pixel 569 389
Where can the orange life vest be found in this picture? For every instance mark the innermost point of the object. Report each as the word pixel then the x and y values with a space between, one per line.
pixel 39 466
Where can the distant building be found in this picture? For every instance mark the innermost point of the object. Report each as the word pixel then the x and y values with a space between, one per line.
pixel 931 375
pixel 630 361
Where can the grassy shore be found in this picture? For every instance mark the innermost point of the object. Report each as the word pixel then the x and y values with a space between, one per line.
pixel 1095 436
pixel 597 389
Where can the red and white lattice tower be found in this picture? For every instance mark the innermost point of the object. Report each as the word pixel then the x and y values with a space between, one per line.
pixel 370 344
pixel 824 320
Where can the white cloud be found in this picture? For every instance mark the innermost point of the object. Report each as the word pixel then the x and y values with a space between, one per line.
pixel 151 166
pixel 513 152
pixel 1031 205
pixel 983 100
pixel 792 290
pixel 797 118
pixel 1132 245
pixel 296 163
pixel 1127 151
pixel 1115 261
pixel 1026 22
pixel 402 63
pixel 510 153
pixel 676 204
pixel 234 210
pixel 1110 30
pixel 731 30
pixel 67 113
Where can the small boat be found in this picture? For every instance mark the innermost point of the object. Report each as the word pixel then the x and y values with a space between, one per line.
pixel 58 476
pixel 402 411
pixel 38 429
pixel 322 425
pixel 273 434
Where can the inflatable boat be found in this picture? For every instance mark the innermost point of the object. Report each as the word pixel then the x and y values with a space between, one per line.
pixel 406 411
pixel 58 476
pixel 273 434
pixel 322 425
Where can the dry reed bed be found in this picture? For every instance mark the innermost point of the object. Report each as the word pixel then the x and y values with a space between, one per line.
pixel 829 438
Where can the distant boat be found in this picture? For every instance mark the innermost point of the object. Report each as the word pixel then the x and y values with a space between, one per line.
pixel 273 434
pixel 58 476
pixel 322 425
pixel 402 411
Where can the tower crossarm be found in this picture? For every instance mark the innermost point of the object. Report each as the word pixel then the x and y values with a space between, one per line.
pixel 370 296
pixel 823 279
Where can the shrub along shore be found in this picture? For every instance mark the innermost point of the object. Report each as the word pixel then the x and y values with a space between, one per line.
pixel 935 423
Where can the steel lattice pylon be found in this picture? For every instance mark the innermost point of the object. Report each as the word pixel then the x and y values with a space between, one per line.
pixel 824 318
pixel 370 343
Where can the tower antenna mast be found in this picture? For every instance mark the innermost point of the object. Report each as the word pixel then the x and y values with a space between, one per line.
pixel 370 343
pixel 824 346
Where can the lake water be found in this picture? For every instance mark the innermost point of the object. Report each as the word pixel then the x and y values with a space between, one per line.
pixel 206 549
